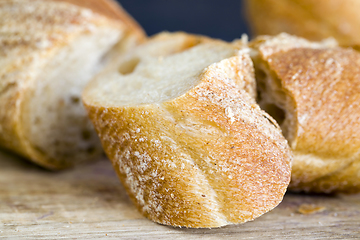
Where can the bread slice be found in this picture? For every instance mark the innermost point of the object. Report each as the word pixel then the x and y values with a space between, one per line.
pixel 49 51
pixel 313 90
pixel 178 119
pixel 311 19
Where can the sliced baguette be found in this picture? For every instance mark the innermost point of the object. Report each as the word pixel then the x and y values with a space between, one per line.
pixel 313 90
pixel 178 119
pixel 48 52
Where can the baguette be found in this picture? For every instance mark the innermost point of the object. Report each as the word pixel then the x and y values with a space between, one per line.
pixel 311 19
pixel 313 90
pixel 48 52
pixel 178 119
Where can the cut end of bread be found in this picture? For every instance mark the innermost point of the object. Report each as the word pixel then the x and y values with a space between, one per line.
pixel 178 119
pixel 164 72
pixel 56 124
pixel 148 79
pixel 51 50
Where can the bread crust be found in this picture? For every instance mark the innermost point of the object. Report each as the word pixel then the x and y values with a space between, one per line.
pixel 312 19
pixel 112 9
pixel 207 158
pixel 323 84
pixel 32 33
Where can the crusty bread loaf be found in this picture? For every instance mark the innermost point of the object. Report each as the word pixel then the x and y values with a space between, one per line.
pixel 313 90
pixel 178 119
pixel 48 52
pixel 312 19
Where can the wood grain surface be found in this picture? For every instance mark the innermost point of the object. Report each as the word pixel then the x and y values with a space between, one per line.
pixel 89 202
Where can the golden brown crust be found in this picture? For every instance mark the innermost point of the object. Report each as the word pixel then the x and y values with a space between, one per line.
pixel 324 85
pixel 343 180
pixel 207 158
pixel 31 33
pixel 111 9
pixel 327 115
pixel 333 77
pixel 312 19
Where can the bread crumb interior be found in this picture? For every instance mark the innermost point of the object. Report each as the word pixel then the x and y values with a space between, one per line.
pixel 147 76
pixel 57 123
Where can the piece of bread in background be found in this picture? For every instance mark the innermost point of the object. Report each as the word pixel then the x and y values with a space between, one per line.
pixel 48 52
pixel 135 34
pixel 178 119
pixel 312 19
pixel 312 89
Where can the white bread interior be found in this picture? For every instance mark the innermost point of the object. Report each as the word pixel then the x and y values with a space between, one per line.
pixel 157 79
pixel 54 118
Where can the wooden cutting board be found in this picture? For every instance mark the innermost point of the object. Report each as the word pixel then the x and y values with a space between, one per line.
pixel 89 202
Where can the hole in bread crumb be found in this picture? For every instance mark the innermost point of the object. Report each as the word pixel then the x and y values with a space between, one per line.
pixel 86 134
pixel 91 150
pixel 129 66
pixel 277 113
pixel 37 121
pixel 75 99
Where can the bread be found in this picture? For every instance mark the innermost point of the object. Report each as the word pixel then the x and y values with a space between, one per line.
pixel 111 9
pixel 48 52
pixel 313 90
pixel 178 119
pixel 312 19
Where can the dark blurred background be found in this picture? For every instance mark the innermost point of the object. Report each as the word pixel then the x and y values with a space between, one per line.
pixel 215 18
